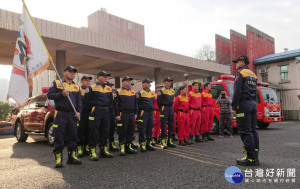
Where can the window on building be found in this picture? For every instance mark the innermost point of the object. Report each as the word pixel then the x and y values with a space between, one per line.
pixel 284 73
pixel 264 78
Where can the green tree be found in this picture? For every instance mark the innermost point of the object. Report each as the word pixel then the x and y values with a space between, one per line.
pixel 5 109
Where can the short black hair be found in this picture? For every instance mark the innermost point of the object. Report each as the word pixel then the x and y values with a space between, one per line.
pixel 182 87
pixel 196 82
pixel 206 84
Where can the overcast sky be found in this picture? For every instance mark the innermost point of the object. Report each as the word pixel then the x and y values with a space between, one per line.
pixel 180 26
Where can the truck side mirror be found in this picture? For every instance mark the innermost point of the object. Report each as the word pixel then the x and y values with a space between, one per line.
pixel 268 96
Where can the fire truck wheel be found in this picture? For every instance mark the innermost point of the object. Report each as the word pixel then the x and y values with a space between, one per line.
pixel 262 125
pixel 215 128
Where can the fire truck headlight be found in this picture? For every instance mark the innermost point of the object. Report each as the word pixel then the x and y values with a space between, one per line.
pixel 267 112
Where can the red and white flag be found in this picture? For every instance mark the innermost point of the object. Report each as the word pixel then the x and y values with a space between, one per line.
pixel 31 58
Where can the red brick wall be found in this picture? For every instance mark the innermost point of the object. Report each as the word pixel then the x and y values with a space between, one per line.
pixel 238 46
pixel 258 44
pixel 222 50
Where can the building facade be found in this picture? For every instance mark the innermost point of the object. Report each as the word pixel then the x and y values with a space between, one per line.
pixel 282 72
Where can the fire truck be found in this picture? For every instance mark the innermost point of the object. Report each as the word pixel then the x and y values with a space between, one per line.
pixel 268 106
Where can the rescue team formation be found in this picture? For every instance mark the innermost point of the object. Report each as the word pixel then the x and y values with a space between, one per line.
pixel 160 116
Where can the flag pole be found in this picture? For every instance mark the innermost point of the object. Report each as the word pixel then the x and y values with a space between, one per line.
pixel 50 58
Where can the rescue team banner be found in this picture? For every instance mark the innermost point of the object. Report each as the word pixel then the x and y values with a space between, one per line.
pixel 31 58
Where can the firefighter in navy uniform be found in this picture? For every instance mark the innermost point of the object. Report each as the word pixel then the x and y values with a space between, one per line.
pixel 65 119
pixel 100 98
pixel 145 99
pixel 126 110
pixel 165 100
pixel 112 145
pixel 244 109
pixel 83 129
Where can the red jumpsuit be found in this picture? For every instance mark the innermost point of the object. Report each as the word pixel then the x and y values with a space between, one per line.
pixel 195 113
pixel 207 112
pixel 181 108
pixel 156 119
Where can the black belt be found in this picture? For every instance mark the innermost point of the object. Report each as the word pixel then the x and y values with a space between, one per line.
pixel 155 109
pixel 167 105
pixel 185 111
pixel 207 106
pixel 194 109
pixel 127 111
pixel 245 99
pixel 102 107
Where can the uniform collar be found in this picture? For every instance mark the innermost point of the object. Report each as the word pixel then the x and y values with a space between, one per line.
pixel 126 88
pixel 146 89
pixel 64 80
pixel 82 87
pixel 98 83
pixel 182 95
pixel 244 67
pixel 205 91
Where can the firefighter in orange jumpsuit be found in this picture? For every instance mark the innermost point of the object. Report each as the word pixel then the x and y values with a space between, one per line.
pixel 181 108
pixel 207 112
pixel 156 118
pixel 195 113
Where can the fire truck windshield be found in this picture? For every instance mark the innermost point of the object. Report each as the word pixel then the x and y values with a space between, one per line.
pixel 230 89
pixel 272 95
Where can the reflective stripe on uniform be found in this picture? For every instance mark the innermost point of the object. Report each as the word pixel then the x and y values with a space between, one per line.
pixel 54 126
pixel 91 118
pixel 240 115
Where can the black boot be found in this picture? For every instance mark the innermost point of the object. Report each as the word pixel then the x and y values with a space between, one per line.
pixel 170 143
pixel 143 147
pixel 133 145
pixel 129 149
pixel 204 138
pixel 149 146
pixel 93 154
pixel 191 137
pixel 174 137
pixel 122 149
pixel 72 159
pixel 249 160
pixel 80 151
pixel 113 147
pixel 208 137
pixel 58 159
pixel 153 141
pixel 164 144
pixel 198 139
pixel 181 143
pixel 187 142
pixel 86 150
pixel 104 153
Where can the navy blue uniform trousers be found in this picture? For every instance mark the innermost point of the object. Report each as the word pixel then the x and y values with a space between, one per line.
pixel 99 124
pixel 246 123
pixel 145 125
pixel 112 127
pixel 65 128
pixel 83 129
pixel 166 117
pixel 126 129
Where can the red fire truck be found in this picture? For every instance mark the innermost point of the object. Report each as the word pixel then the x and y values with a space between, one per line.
pixel 268 106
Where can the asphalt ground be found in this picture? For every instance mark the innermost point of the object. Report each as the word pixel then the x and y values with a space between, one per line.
pixel 201 165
